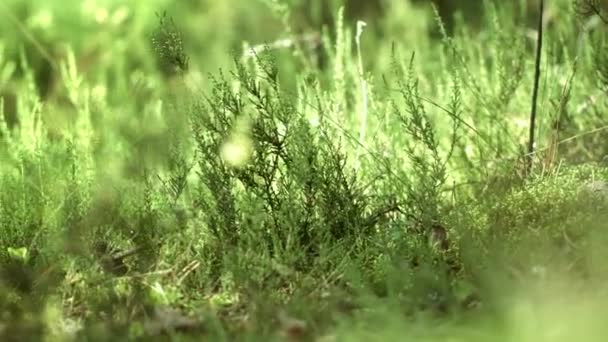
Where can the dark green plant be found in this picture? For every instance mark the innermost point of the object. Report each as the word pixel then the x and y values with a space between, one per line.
pixel 169 47
pixel 296 194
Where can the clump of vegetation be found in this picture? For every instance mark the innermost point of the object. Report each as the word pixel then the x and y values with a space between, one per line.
pixel 340 187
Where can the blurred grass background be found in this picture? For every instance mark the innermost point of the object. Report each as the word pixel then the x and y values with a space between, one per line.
pixel 100 31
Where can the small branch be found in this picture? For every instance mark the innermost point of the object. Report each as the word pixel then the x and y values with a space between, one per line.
pixel 364 99
pixel 311 39
pixel 589 8
pixel 539 44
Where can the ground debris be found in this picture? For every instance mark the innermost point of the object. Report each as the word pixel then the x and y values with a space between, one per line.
pixel 167 320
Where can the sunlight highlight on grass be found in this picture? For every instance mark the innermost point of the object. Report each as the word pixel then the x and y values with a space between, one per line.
pixel 237 150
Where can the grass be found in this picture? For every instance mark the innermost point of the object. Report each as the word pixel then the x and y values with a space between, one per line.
pixel 229 170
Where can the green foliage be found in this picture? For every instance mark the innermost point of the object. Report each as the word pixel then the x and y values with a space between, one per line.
pixel 320 185
pixel 169 47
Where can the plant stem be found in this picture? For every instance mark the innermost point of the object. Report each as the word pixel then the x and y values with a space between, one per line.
pixel 539 44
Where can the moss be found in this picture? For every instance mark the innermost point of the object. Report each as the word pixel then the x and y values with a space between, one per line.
pixel 550 220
